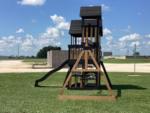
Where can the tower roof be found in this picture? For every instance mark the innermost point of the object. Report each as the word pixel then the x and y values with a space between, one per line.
pixel 76 26
pixel 90 11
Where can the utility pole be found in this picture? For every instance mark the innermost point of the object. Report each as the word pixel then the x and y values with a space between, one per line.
pixel 134 53
pixel 127 52
pixel 18 49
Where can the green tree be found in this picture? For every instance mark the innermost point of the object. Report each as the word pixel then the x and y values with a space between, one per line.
pixel 43 52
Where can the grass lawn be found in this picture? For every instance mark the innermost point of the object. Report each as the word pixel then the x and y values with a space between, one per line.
pixel 111 60
pixel 18 95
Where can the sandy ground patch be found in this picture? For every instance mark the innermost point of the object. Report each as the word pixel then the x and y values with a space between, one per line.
pixel 141 67
pixel 17 66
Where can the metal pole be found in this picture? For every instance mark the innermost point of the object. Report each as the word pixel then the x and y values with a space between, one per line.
pixel 134 53
pixel 18 49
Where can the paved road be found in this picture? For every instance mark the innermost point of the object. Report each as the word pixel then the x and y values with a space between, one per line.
pixel 9 66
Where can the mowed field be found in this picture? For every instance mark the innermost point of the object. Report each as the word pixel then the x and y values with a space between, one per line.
pixel 18 95
pixel 110 60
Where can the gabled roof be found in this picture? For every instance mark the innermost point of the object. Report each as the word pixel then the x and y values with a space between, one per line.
pixel 76 26
pixel 90 11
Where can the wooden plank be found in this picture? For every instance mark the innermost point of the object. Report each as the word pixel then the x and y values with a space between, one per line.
pixel 82 34
pixel 97 49
pixel 97 66
pixel 95 98
pixel 86 45
pixel 70 82
pixel 107 85
pixel 86 37
pixel 95 34
pixel 91 33
pixel 85 70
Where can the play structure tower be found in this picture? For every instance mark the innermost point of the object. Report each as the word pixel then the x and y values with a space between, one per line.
pixel 84 56
pixel 85 50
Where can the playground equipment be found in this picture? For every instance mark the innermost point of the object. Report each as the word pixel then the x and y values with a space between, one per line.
pixel 84 57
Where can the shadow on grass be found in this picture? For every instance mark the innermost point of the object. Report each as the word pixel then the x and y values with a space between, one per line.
pixel 119 88
pixel 48 86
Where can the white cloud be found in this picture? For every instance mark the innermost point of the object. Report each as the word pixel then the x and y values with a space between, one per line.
pixel 30 44
pixel 107 32
pixel 31 2
pixel 109 38
pixel 128 41
pixel 7 42
pixel 64 25
pixel 105 7
pixel 3 45
pixel 131 37
pixel 50 37
pixel 27 43
pixel 137 43
pixel 57 19
pixel 20 30
pixel 148 43
pixel 147 36
pixel 60 22
pixel 52 32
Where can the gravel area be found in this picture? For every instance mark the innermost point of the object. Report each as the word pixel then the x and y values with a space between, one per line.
pixel 17 66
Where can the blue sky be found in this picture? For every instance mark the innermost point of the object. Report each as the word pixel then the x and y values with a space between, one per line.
pixel 32 24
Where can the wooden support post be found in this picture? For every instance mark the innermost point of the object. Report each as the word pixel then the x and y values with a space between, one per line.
pixel 70 82
pixel 83 34
pixel 86 52
pixel 107 85
pixel 70 75
pixel 91 33
pixel 96 64
pixel 95 36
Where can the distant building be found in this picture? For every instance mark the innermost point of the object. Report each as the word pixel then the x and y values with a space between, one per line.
pixel 136 54
pixel 56 57
pixel 107 54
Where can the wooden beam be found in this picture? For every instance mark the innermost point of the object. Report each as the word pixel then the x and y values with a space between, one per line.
pixel 95 34
pixel 82 34
pixel 86 70
pixel 97 66
pixel 86 45
pixel 107 85
pixel 70 75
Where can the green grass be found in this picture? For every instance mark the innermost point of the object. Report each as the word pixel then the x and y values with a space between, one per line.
pixel 126 60
pixel 18 95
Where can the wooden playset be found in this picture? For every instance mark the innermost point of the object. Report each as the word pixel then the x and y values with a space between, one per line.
pixel 84 57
